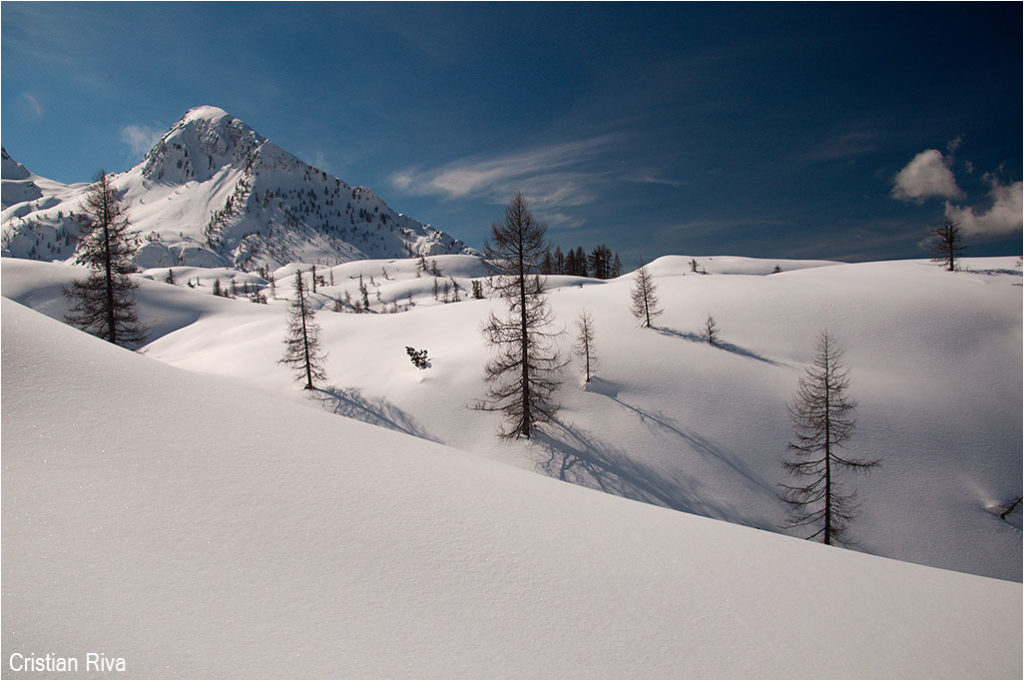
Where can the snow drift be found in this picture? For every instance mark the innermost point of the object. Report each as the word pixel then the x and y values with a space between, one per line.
pixel 196 527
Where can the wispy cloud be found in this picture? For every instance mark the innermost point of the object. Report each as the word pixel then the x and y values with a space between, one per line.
pixel 843 147
pixel 563 220
pixel 563 174
pixel 140 138
pixel 1002 217
pixel 318 159
pixel 656 178
pixel 925 176
pixel 32 105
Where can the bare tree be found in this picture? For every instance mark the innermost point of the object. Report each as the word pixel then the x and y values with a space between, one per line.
pixel 103 303
pixel 302 342
pixel 947 243
pixel 822 415
pixel 524 374
pixel 585 343
pixel 711 332
pixel 645 300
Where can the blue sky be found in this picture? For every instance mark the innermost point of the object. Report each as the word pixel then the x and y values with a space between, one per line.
pixel 777 130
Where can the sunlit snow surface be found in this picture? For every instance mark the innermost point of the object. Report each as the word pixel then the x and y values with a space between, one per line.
pixel 231 525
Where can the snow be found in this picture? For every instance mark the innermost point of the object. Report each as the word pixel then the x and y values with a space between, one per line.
pixel 209 526
pixel 719 264
pixel 935 361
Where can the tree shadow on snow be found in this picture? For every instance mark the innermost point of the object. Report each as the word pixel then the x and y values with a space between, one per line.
pixel 578 456
pixel 728 347
pixel 991 272
pixel 350 402
pixel 699 444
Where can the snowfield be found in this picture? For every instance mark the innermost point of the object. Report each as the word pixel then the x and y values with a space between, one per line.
pixel 180 507
pixel 195 527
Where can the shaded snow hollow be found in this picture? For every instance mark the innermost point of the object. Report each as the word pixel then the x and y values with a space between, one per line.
pixel 199 528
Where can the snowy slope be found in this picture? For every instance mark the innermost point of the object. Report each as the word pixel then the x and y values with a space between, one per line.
pixel 18 185
pixel 935 362
pixel 25 194
pixel 197 528
pixel 214 192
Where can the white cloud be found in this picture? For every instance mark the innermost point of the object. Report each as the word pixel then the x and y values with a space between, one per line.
pixel 926 175
pixel 1003 217
pixel 558 174
pixel 140 138
pixel 402 180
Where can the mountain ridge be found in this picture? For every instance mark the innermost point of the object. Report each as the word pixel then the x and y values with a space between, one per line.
pixel 213 192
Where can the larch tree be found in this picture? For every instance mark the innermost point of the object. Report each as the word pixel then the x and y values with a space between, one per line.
pixel 947 243
pixel 103 303
pixel 525 371
pixel 711 331
pixel 644 299
pixel 302 342
pixel 822 415
pixel 584 347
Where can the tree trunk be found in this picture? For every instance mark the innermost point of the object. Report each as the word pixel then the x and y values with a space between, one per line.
pixel 108 267
pixel 524 340
pixel 647 307
pixel 828 458
pixel 305 343
pixel 586 345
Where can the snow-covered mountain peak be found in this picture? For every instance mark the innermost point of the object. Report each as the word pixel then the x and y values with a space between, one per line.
pixel 213 192
pixel 199 145
pixel 205 112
